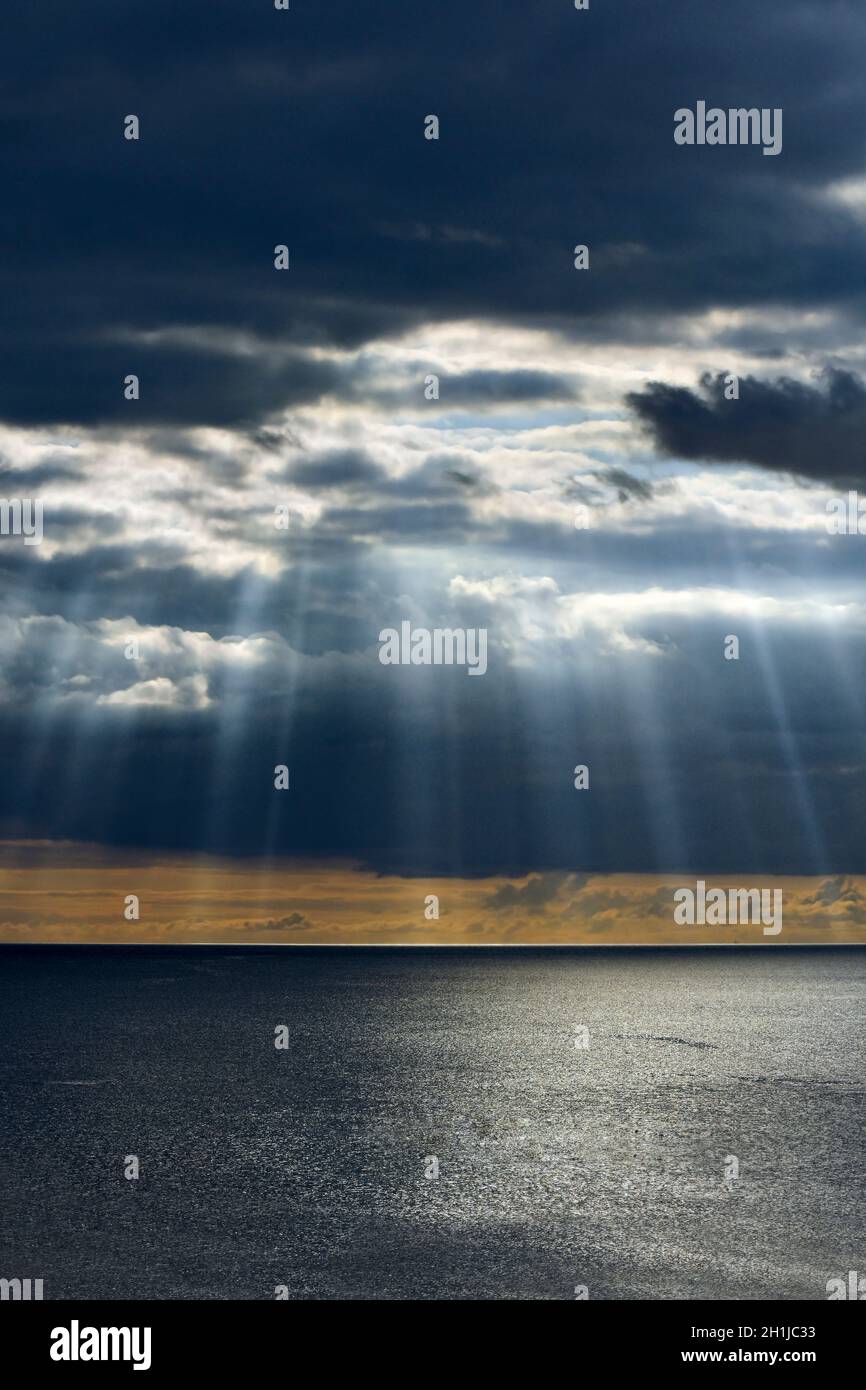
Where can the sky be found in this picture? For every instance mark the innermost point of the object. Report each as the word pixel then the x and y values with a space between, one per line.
pixel 584 489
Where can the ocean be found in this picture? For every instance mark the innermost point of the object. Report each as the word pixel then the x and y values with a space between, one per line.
pixel 442 1124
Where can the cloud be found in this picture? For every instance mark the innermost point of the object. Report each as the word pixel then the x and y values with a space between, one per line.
pixel 159 693
pixel 15 481
pixel 510 388
pixel 305 389
pixel 295 921
pixel 841 892
pixel 533 897
pixel 628 487
pixel 816 432
pixel 163 264
pixel 344 468
pixel 71 892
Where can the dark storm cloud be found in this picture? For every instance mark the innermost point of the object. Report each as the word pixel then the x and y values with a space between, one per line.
pixel 533 897
pixel 156 258
pixel 476 388
pixel 444 474
pixel 13 480
pixel 177 386
pixel 341 468
pixel 295 921
pixel 628 487
pixel 201 385
pixel 261 127
pixel 431 499
pixel 816 432
pixel 836 890
pixel 472 388
pixel 276 440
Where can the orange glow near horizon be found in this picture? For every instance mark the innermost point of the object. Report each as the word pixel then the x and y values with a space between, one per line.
pixel 64 892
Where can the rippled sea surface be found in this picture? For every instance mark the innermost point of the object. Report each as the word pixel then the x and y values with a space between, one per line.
pixel 559 1165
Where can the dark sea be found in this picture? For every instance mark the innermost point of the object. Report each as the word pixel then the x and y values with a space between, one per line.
pixel 641 1124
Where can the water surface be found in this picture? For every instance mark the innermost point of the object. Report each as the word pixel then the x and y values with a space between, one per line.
pixel 559 1165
